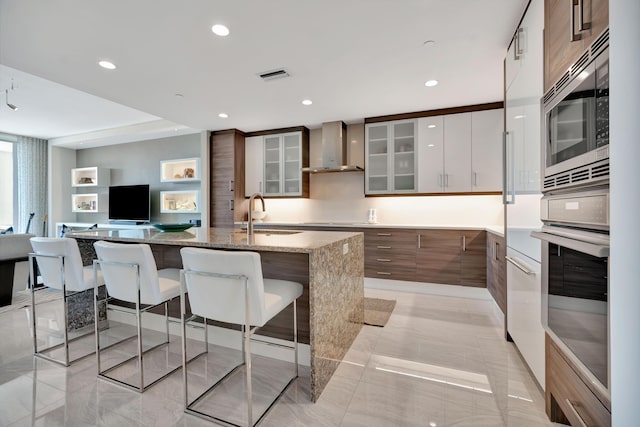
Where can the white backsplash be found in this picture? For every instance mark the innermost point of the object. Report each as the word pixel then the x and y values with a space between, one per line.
pixel 339 197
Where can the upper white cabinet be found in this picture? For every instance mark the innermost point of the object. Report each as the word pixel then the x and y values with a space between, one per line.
pixel 253 165
pixel 522 103
pixel 180 170
pixel 90 177
pixel 486 150
pixel 273 165
pixel 461 153
pixel 391 153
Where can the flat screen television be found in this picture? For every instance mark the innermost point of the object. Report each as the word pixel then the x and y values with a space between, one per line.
pixel 130 203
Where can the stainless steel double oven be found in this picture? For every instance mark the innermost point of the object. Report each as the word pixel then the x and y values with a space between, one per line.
pixel 575 214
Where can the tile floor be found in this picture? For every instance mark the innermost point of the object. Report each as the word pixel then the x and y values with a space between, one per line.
pixel 440 361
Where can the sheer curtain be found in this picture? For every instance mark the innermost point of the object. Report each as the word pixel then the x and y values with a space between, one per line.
pixel 30 172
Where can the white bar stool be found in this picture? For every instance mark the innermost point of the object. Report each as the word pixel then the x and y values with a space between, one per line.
pixel 228 286
pixel 60 266
pixel 131 275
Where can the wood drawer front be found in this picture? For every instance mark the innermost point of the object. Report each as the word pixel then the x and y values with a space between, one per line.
pixel 391 239
pixel 571 394
pixel 390 271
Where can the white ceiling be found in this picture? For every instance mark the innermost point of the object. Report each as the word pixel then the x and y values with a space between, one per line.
pixel 353 58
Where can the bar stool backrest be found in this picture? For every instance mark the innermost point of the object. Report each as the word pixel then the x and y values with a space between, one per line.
pixel 50 268
pixel 121 279
pixel 223 299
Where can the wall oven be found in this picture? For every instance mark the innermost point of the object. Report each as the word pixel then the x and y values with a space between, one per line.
pixel 575 279
pixel 576 122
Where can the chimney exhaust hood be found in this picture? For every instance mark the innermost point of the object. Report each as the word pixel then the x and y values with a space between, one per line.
pixel 334 150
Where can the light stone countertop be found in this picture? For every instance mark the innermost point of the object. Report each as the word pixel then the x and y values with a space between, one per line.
pixel 496 229
pixel 224 238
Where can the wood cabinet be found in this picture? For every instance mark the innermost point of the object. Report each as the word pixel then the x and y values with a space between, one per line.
pixel 496 270
pixel 391 157
pixel 569 399
pixel 455 257
pixel 390 253
pixel 227 178
pixel 564 42
pixel 274 163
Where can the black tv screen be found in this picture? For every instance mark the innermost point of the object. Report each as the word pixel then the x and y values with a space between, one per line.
pixel 129 203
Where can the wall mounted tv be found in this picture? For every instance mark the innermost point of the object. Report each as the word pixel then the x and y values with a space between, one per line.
pixel 130 204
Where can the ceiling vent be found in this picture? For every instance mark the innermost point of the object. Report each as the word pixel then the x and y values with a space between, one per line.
pixel 273 74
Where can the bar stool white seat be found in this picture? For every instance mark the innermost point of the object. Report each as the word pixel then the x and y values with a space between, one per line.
pixel 60 266
pixel 130 275
pixel 228 286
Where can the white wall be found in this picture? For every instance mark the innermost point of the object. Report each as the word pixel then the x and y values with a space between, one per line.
pixel 61 161
pixel 624 284
pixel 6 185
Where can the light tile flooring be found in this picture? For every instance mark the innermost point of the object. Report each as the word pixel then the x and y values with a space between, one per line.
pixel 440 361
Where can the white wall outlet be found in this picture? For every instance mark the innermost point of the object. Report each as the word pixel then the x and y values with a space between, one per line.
pixel 345 249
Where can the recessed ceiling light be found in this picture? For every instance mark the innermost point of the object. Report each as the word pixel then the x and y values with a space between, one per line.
pixel 519 116
pixel 430 145
pixel 179 95
pixel 431 83
pixel 106 64
pixel 223 115
pixel 431 126
pixel 220 30
pixel 428 43
pixel 307 102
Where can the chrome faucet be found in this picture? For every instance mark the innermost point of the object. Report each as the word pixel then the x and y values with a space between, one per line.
pixel 250 222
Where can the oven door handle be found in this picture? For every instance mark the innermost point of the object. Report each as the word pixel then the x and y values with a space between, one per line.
pixel 599 251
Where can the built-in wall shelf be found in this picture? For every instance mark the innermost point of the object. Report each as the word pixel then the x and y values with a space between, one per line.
pixel 90 177
pixel 85 203
pixel 180 170
pixel 187 201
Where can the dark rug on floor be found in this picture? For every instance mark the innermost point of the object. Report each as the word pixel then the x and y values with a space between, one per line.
pixel 377 311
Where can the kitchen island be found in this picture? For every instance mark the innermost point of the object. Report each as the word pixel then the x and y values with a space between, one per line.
pixel 329 265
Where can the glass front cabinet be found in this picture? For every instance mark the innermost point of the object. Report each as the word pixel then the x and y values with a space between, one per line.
pixel 391 157
pixel 283 164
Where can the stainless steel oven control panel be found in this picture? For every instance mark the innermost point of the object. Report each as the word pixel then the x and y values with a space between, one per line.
pixel 590 209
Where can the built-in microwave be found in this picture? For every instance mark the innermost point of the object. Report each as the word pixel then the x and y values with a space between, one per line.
pixel 576 122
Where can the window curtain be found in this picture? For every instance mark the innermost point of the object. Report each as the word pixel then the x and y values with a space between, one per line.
pixel 30 172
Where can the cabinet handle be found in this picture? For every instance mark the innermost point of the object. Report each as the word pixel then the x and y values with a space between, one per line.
pixel 574 411
pixel 508 194
pixel 230 205
pixel 260 187
pixel 495 251
pixel 384 273
pixel 419 241
pixel 581 24
pixel 383 260
pixel 384 247
pixel 464 243
pixel 520 267
pixel 231 185
pixel 475 179
pixel 446 180
pixel 384 234
pixel 517 51
pixel 573 36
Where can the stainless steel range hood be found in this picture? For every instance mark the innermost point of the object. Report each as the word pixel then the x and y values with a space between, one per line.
pixel 334 150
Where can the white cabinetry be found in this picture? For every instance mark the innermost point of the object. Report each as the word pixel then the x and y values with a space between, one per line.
pixel 524 305
pixel 391 157
pixel 283 164
pixel 522 103
pixel 486 150
pixel 461 153
pixel 253 165
pixel 180 170
pixel 445 153
pixel 184 201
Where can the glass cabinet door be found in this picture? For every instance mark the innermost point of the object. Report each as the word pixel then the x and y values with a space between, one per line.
pixel 404 156
pixel 292 164
pixel 377 159
pixel 272 167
